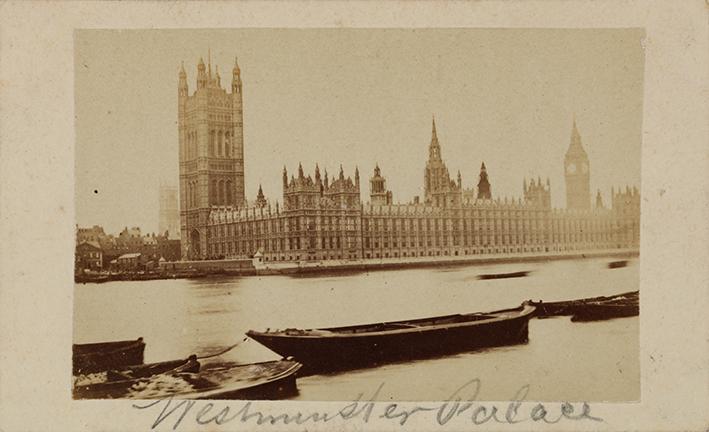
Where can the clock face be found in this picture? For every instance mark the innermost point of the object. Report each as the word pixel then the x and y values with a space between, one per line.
pixel 584 167
pixel 571 168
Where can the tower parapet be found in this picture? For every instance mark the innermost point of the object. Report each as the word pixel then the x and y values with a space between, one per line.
pixel 537 194
pixel 300 192
pixel 379 195
pixel 343 191
pixel 305 192
pixel 626 201
pixel 484 184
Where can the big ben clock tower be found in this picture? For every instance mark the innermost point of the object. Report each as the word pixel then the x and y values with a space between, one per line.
pixel 577 174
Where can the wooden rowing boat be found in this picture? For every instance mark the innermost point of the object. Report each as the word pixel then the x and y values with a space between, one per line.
pixel 592 309
pixel 368 345
pixel 184 379
pixel 605 311
pixel 96 357
pixel 266 380
pixel 617 264
pixel 115 383
pixel 503 275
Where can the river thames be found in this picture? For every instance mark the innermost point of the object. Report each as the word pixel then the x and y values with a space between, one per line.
pixel 594 361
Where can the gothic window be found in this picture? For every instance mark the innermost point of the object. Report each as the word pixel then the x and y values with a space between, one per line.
pixel 229 193
pixel 213 193
pixel 211 143
pixel 227 144
pixel 220 136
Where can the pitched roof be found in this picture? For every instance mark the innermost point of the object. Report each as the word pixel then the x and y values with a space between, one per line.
pixel 93 244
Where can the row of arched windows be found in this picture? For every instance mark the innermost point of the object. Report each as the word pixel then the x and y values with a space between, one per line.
pixel 221 192
pixel 219 143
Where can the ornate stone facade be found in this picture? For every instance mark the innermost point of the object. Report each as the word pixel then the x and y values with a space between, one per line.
pixel 323 220
pixel 210 125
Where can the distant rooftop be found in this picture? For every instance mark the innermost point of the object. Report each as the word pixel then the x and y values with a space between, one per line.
pixel 129 255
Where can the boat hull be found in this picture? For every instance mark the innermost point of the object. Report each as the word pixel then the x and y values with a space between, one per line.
pixel 599 312
pixel 617 264
pixel 119 381
pixel 592 309
pixel 270 380
pixel 322 354
pixel 503 275
pixel 96 357
pixel 280 388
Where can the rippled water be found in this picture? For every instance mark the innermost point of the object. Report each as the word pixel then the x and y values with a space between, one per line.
pixel 597 361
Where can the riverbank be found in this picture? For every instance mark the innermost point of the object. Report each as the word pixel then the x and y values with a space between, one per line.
pixel 427 262
pixel 242 267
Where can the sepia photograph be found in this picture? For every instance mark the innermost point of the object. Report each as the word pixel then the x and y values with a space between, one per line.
pixel 316 214
pixel 361 216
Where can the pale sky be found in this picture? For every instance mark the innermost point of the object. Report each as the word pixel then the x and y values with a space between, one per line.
pixel 359 97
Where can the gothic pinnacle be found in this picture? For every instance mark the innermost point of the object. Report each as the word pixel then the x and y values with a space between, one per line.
pixel 209 61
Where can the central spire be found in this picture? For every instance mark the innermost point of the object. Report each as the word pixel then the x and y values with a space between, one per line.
pixel 434 135
pixel 434 150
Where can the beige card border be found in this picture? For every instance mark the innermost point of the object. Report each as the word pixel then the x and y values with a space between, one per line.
pixel 36 165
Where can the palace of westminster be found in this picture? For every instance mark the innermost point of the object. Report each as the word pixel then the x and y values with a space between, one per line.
pixel 324 218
